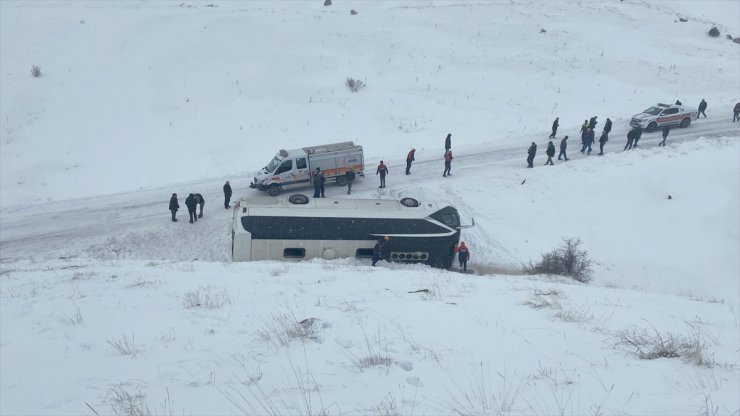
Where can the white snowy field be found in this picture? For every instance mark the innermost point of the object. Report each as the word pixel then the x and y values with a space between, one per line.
pixel 107 307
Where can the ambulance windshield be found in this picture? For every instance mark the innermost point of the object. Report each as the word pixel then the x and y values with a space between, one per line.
pixel 274 163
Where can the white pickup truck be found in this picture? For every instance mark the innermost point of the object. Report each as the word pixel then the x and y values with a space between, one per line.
pixel 662 115
pixel 294 168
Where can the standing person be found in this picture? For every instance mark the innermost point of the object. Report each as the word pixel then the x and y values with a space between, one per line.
pixel 382 171
pixel 174 206
pixel 608 125
pixel 631 138
pixel 448 142
pixel 555 125
pixel 584 126
pixel 588 140
pixel 530 154
pixel 563 148
pixel 201 204
pixel 409 159
pixel 702 107
pixel 192 204
pixel 666 129
pixel 550 153
pixel 638 135
pixel 227 195
pixel 736 113
pixel 317 183
pixel 463 255
pixel 448 163
pixel 602 141
pixel 379 249
pixel 592 123
pixel 350 177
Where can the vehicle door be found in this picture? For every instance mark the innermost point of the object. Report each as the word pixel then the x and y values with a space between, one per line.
pixel 669 116
pixel 302 172
pixel 284 173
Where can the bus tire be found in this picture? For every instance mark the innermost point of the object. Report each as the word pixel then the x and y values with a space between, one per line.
pixel 298 199
pixel 409 202
pixel 274 190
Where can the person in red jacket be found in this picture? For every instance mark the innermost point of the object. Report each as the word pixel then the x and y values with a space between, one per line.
pixel 448 163
pixel 409 159
pixel 382 171
pixel 463 255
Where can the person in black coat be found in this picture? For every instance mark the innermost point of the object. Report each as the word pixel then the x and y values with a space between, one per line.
pixel 448 142
pixel 192 204
pixel 588 140
pixel 350 177
pixel 563 148
pixel 550 153
pixel 531 152
pixel 638 135
pixel 379 249
pixel 227 195
pixel 318 184
pixel 602 141
pixel 666 129
pixel 555 125
pixel 631 135
pixel 174 206
pixel 608 126
pixel 702 107
pixel 201 204
pixel 592 123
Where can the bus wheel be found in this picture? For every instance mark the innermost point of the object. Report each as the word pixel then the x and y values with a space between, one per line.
pixel 342 180
pixel 409 202
pixel 298 199
pixel 274 190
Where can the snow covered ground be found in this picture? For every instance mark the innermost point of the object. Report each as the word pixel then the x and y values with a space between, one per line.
pixel 107 307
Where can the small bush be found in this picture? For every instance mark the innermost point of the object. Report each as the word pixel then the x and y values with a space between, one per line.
pixel 203 298
pixel 714 32
pixel 567 260
pixel 124 346
pixel 652 344
pixel 284 327
pixel 355 85
pixel 36 71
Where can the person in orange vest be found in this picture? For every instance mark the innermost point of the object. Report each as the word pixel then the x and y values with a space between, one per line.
pixel 463 254
pixel 409 159
pixel 382 171
pixel 448 163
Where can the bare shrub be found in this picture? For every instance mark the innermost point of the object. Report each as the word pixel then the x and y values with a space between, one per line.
pixel 574 315
pixel 355 85
pixel 282 328
pixel 75 319
pixel 713 32
pixel 650 344
pixel 204 298
pixel 36 71
pixel 541 299
pixel 568 260
pixel 124 346
pixel 484 396
pixel 125 403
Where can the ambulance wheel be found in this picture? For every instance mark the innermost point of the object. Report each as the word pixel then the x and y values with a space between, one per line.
pixel 274 190
pixel 651 127
pixel 409 202
pixel 685 122
pixel 342 180
pixel 298 199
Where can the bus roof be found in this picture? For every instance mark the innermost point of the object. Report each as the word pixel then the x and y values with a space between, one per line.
pixel 326 207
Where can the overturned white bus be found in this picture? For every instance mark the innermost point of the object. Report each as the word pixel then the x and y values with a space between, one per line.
pixel 299 228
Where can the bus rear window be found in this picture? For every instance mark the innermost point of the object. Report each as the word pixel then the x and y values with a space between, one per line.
pixel 294 253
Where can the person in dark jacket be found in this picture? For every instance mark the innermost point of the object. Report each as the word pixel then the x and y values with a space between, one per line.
pixel 588 140
pixel 550 153
pixel 555 125
pixel 736 113
pixel 602 141
pixel 530 154
pixel 666 129
pixel 584 126
pixel 227 195
pixel 409 159
pixel 608 125
pixel 448 163
pixel 563 148
pixel 382 171
pixel 631 135
pixel 638 135
pixel 702 107
pixel 350 177
pixel 448 142
pixel 318 184
pixel 379 249
pixel 678 102
pixel 592 123
pixel 463 255
pixel 192 205
pixel 174 206
pixel 201 204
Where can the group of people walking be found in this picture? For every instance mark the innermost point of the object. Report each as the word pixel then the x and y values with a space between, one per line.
pixel 195 203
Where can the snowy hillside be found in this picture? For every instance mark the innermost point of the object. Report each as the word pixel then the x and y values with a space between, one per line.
pixel 107 307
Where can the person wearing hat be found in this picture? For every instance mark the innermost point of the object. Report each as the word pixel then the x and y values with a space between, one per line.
pixel 318 184
pixel 409 159
pixel 463 255
pixel 530 154
pixel 192 203
pixel 174 206
pixel 379 249
pixel 227 195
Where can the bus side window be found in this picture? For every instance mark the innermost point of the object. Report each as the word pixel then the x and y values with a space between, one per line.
pixel 300 163
pixel 294 253
pixel 364 253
